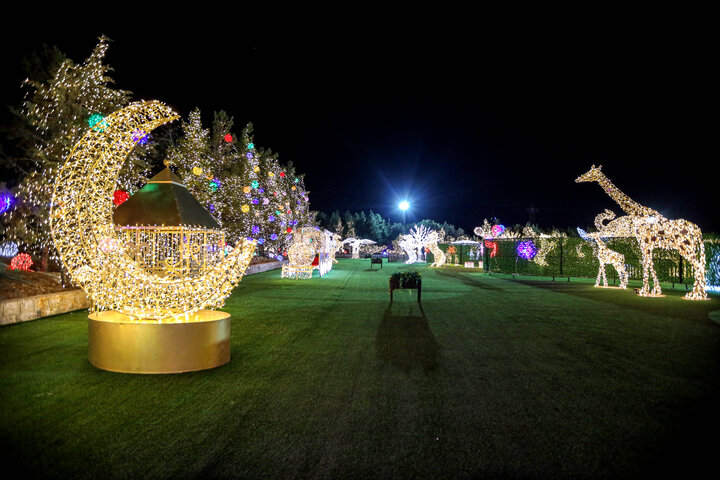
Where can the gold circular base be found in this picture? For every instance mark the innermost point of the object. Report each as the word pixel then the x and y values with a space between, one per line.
pixel 119 344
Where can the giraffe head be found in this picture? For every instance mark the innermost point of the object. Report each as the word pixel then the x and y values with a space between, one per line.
pixel 592 175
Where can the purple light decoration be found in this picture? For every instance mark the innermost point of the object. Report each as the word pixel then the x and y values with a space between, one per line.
pixel 527 250
pixel 255 201
pixel 249 156
pixel 271 218
pixel 261 190
pixel 279 258
pixel 140 137
pixel 273 236
pixel 266 201
pixel 212 207
pixel 5 202
pixel 255 229
pixel 261 241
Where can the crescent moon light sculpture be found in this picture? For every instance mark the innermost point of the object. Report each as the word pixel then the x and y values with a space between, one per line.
pixel 82 228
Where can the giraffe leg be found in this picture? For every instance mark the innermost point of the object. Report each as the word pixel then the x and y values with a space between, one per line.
pixel 601 272
pixel 698 264
pixel 647 265
pixel 656 284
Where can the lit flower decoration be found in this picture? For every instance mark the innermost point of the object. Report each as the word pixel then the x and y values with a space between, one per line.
pixel 271 174
pixel 251 146
pixel 21 261
pixel 293 188
pixel 271 218
pixel 120 197
pixel 261 241
pixel 282 174
pixel 256 169
pixel 273 236
pixel 249 156
pixel 255 229
pixel 197 170
pixel 289 230
pixel 245 208
pixel 255 201
pixel 228 138
pixel 254 184
pixel 527 250
pixel 246 189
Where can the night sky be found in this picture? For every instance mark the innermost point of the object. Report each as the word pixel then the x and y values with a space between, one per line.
pixel 480 123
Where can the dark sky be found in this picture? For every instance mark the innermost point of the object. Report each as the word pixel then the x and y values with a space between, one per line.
pixel 465 123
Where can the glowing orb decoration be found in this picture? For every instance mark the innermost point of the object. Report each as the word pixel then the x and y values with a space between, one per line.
pixel 197 170
pixel 251 146
pixel 404 205
pixel 80 218
pixel 246 189
pixel 21 261
pixel 526 250
pixel 282 174
pixel 256 169
pixel 254 184
pixel 249 156
pixel 120 197
pixel 228 138
pixel 497 230
pixel 5 202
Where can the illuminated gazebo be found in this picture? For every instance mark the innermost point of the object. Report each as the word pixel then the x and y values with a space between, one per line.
pixel 167 230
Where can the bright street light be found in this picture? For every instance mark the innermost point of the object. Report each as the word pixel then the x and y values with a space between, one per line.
pixel 404 205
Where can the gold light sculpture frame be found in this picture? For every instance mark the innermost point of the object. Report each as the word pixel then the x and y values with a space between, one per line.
pixel 652 230
pixel 307 241
pixel 81 220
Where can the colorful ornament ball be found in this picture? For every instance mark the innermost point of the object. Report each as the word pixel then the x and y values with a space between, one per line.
pixel 228 138
pixel 120 197
pixel 527 250
pixel 21 261
pixel 497 230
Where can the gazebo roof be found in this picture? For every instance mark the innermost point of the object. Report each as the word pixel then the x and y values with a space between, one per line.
pixel 164 200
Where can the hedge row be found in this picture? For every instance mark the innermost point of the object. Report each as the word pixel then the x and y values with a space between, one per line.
pixel 574 257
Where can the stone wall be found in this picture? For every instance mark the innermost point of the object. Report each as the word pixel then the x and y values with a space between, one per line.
pixel 29 308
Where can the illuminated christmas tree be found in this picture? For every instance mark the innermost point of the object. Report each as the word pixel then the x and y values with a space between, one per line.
pixel 62 102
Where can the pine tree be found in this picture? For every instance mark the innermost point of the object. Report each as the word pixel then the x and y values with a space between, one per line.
pixel 60 105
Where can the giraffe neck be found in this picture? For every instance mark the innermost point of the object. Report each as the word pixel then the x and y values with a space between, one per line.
pixel 627 204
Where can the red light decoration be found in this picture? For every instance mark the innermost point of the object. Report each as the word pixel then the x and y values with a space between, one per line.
pixel 282 174
pixel 228 138
pixel 21 261
pixel 289 230
pixel 492 246
pixel 120 197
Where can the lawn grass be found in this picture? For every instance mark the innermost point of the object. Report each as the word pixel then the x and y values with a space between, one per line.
pixel 489 376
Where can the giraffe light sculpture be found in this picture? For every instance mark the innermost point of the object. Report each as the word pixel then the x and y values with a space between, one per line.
pixel 652 230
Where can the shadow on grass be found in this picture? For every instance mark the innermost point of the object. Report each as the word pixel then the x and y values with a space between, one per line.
pixel 404 339
pixel 672 304
pixel 470 281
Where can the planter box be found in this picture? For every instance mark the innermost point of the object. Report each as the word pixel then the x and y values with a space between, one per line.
pixel 409 285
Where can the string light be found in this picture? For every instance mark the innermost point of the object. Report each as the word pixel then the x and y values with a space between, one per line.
pixel 8 249
pixel 652 230
pixel 356 243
